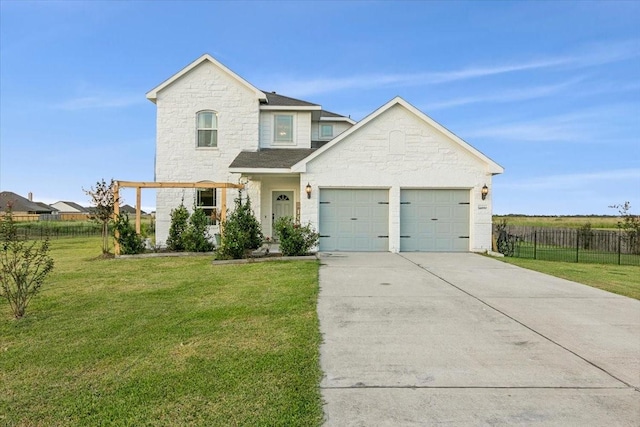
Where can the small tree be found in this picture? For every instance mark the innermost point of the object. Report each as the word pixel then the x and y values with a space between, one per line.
pixel 130 242
pixel 179 222
pixel 103 200
pixel 585 235
pixel 295 239
pixel 630 225
pixel 23 266
pixel 196 236
pixel 241 231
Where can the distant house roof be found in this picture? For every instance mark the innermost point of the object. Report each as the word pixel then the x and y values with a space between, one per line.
pixel 270 158
pixel 45 206
pixel 21 204
pixel 130 210
pixel 69 207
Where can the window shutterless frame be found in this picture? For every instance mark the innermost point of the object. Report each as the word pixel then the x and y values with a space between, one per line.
pixel 207 200
pixel 207 129
pixel 283 128
pixel 326 131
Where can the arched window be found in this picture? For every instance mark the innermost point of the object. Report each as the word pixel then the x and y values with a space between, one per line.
pixel 207 122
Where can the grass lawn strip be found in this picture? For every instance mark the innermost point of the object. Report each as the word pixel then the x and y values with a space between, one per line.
pixel 163 341
pixel 619 279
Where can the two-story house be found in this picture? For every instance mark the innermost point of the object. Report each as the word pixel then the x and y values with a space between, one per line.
pixel 395 181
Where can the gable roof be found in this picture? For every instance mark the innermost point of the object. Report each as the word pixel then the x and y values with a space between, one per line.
pixel 152 95
pixel 276 100
pixel 333 117
pixel 73 205
pixel 493 167
pixel 21 204
pixel 269 158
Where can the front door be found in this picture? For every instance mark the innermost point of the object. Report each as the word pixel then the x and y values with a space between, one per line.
pixel 282 205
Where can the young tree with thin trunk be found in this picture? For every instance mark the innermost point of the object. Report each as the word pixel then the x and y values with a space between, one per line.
pixel 23 266
pixel 103 200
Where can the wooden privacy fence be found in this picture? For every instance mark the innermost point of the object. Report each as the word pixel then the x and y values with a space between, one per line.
pixel 140 185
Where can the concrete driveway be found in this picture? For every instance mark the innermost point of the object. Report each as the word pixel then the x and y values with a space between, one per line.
pixel 461 339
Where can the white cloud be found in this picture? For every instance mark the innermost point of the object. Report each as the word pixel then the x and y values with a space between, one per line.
pixel 506 95
pixel 595 55
pixel 599 124
pixel 100 101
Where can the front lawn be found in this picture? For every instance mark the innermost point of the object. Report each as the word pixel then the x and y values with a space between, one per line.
pixel 619 279
pixel 163 341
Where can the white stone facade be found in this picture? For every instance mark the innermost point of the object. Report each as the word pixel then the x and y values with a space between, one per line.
pixel 178 159
pixel 372 157
pixel 394 148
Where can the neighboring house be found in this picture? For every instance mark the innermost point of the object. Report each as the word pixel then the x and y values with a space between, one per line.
pixel 128 209
pixel 21 207
pixel 395 181
pixel 69 208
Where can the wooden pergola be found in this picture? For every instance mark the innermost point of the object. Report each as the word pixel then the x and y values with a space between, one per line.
pixel 140 185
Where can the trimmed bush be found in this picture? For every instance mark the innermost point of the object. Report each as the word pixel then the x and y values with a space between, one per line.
pixel 179 222
pixel 295 239
pixel 241 231
pixel 131 243
pixel 196 237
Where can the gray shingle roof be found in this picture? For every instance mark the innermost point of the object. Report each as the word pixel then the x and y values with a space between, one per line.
pixel 271 158
pixel 325 113
pixel 20 204
pixel 278 100
pixel 75 206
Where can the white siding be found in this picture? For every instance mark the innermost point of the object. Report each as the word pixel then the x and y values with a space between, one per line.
pixel 338 128
pixel 301 130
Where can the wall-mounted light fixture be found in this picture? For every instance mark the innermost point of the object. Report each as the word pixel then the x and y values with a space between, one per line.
pixel 308 190
pixel 484 191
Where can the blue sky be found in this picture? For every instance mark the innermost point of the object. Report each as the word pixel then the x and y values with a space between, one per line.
pixel 549 90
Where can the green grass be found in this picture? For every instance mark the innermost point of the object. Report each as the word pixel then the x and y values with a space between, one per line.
pixel 597 222
pixel 619 279
pixel 163 341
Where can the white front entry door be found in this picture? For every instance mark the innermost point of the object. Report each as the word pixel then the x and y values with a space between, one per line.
pixel 281 205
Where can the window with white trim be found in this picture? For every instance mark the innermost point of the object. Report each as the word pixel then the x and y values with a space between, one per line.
pixel 206 199
pixel 283 128
pixel 326 131
pixel 207 122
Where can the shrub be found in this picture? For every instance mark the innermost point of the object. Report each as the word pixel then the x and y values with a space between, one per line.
pixel 130 242
pixel 295 239
pixel 179 222
pixel 23 266
pixel 240 232
pixel 585 235
pixel 196 237
pixel 629 224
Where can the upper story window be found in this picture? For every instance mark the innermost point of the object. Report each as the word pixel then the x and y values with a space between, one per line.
pixel 326 131
pixel 283 128
pixel 207 122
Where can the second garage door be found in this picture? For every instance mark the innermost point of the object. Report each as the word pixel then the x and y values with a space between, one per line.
pixel 354 220
pixel 434 220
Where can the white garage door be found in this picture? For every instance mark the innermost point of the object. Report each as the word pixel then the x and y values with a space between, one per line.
pixel 354 220
pixel 434 220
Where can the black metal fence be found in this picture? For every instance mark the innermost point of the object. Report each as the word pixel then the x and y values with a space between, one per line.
pixel 38 230
pixel 569 245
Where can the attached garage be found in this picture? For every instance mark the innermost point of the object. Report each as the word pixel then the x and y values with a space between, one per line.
pixel 354 220
pixel 434 220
